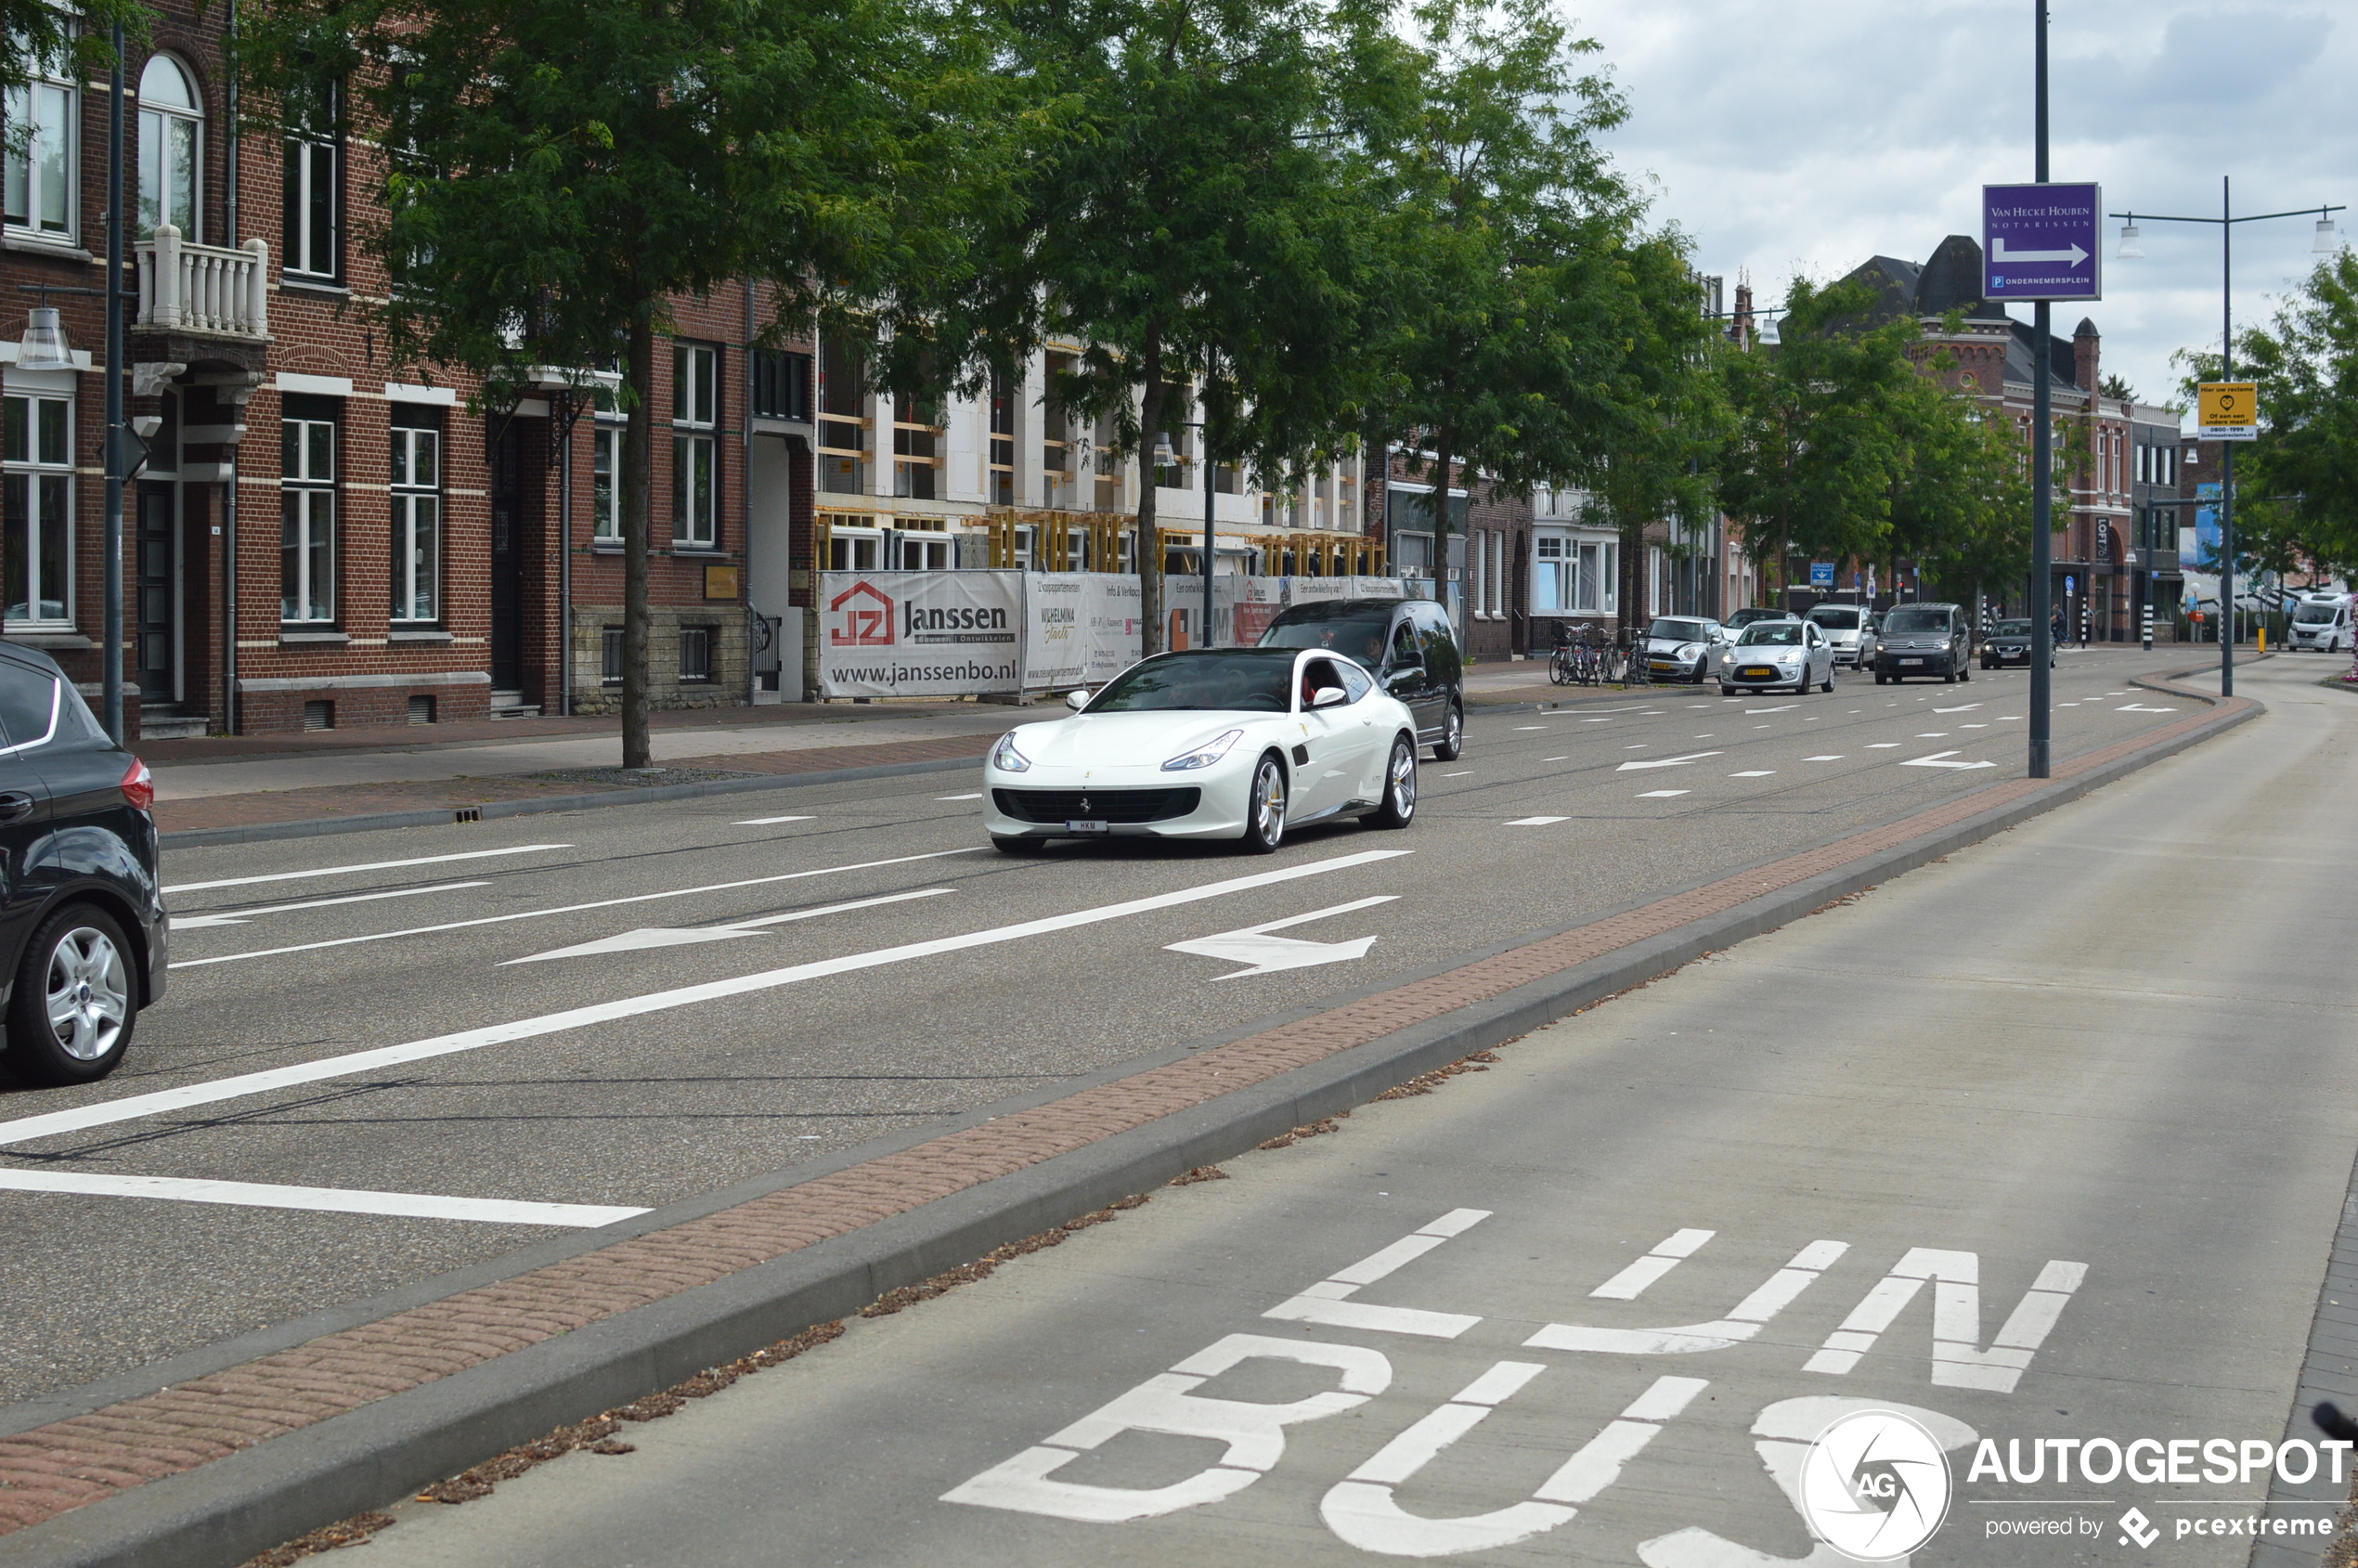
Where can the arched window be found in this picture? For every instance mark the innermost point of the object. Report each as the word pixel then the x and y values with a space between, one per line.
pixel 171 147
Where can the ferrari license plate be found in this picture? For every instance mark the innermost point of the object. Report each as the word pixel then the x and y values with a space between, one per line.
pixel 1072 826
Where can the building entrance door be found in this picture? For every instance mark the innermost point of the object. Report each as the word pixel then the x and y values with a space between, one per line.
pixel 157 595
pixel 507 599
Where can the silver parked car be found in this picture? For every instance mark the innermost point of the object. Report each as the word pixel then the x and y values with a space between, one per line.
pixel 1680 648
pixel 1771 654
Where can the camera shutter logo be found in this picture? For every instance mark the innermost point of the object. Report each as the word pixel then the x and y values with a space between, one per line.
pixel 1874 1486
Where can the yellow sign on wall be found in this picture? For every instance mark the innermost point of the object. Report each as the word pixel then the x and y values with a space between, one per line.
pixel 2228 411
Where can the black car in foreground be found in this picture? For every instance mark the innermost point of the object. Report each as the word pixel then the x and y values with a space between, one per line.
pixel 1408 644
pixel 2009 642
pixel 82 932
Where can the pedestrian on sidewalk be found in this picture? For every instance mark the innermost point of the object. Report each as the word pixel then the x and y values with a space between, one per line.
pixel 2057 639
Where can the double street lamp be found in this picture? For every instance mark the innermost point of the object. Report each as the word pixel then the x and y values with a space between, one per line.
pixel 2133 248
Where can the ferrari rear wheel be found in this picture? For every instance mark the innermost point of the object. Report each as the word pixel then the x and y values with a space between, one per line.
pixel 1265 811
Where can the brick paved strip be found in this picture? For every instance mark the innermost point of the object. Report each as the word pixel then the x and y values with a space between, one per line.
pixel 49 1469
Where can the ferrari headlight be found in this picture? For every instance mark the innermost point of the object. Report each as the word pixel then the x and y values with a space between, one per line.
pixel 1006 759
pixel 1204 756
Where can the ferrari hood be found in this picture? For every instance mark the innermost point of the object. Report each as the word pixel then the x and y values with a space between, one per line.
pixel 1128 740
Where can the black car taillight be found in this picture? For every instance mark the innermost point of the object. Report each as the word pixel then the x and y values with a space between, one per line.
pixel 139 786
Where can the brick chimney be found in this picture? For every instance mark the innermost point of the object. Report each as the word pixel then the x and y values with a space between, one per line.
pixel 2086 351
pixel 1740 328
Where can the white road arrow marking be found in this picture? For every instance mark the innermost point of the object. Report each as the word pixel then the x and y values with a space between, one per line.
pixel 1935 761
pixel 1666 761
pixel 1538 822
pixel 2140 708
pixel 1253 945
pixel 683 936
pixel 1998 252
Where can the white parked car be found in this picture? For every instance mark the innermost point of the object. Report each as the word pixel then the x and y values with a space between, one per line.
pixel 1767 654
pixel 1215 742
pixel 1849 629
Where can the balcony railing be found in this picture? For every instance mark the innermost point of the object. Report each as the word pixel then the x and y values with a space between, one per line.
pixel 203 288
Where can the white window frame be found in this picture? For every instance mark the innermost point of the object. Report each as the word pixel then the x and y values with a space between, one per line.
pixel 308 517
pixel 417 518
pixel 161 125
pixel 38 488
pixel 1553 563
pixel 606 484
pixel 310 158
pixel 695 446
pixel 51 106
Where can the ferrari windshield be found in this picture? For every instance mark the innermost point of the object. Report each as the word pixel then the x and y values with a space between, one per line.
pixel 1216 679
pixel 1774 634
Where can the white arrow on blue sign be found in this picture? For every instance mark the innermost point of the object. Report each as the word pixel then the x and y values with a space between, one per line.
pixel 2042 241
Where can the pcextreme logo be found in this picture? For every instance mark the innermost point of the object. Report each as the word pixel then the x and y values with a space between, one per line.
pixel 1874 1486
pixel 866 617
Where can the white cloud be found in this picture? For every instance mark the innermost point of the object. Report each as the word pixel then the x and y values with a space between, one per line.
pixel 1807 137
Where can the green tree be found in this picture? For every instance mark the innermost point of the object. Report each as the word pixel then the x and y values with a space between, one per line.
pixel 1507 293
pixel 562 169
pixel 1181 204
pixel 38 38
pixel 2297 487
pixel 1961 504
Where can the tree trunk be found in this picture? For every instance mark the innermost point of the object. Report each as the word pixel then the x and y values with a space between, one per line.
pixel 637 499
pixel 1150 533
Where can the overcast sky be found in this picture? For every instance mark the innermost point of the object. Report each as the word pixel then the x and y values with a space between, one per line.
pixel 1794 137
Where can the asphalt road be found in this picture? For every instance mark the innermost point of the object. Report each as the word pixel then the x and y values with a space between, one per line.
pixel 776 976
pixel 2047 1140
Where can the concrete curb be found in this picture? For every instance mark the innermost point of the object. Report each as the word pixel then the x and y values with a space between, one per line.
pixel 491 810
pixel 228 1511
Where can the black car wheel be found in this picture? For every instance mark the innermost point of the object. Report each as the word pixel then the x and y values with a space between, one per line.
pixel 1265 810
pixel 1452 745
pixel 76 999
pixel 1399 806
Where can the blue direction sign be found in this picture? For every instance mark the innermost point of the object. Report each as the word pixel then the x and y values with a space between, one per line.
pixel 1821 574
pixel 2042 241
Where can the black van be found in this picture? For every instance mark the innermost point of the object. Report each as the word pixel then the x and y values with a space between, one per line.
pixel 1407 643
pixel 1924 640
pixel 82 932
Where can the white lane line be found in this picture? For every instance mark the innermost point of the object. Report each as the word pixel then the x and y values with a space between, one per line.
pixel 684 936
pixel 1555 759
pixel 366 865
pixel 567 909
pixel 1607 719
pixel 1702 737
pixel 1660 794
pixel 1835 757
pixel 1460 773
pixel 1536 821
pixel 238 917
pixel 976 796
pixel 766 821
pixel 1933 735
pixel 1666 761
pixel 1786 708
pixel 1523 727
pixel 319 1200
pixel 134 1107
pixel 1966 707
pixel 1973 726
pixel 2007 717
pixel 1754 773
pixel 1882 746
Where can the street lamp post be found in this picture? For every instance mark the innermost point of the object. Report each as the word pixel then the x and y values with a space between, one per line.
pixel 2133 248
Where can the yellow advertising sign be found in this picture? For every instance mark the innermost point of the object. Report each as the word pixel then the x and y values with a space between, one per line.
pixel 2228 411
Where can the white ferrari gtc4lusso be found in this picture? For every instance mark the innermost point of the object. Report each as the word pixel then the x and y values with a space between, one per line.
pixel 1217 743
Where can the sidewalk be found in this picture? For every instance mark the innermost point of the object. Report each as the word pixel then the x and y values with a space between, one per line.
pixel 196 1461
